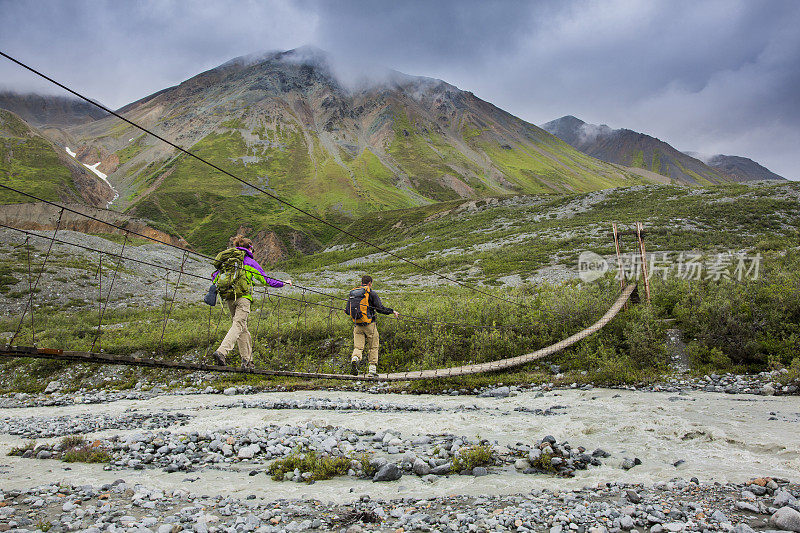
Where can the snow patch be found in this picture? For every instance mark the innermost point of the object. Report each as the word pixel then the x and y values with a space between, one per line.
pixel 70 152
pixel 103 177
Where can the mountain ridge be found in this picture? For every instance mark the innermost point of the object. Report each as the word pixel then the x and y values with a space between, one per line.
pixel 289 125
pixel 635 149
pixel 737 168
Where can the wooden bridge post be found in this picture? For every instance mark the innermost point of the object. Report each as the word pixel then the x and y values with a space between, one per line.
pixel 619 257
pixel 645 273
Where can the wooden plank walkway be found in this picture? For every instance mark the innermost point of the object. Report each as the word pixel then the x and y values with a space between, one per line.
pixel 438 373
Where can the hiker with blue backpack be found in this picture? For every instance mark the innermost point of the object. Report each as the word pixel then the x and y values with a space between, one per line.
pixel 362 304
pixel 236 271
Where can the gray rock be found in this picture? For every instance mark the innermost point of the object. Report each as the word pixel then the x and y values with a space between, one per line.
pixel 633 496
pixel 388 472
pixel 742 528
pixel 783 498
pixel 52 387
pixel 421 468
pixel 521 464
pixel 719 516
pixel 441 469
pixel 479 471
pixel 230 391
pixel 747 506
pixel 786 518
pixel 44 454
pixel 626 523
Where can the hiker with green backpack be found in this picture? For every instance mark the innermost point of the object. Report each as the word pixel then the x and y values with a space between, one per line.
pixel 236 272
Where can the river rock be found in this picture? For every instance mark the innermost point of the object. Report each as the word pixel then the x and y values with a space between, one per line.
pixel 786 518
pixel 388 472
pixel 633 496
pixel 52 387
pixel 783 498
pixel 421 468
pixel 441 469
pixel 742 528
pixel 521 464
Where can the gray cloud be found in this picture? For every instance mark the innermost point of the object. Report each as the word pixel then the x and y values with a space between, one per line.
pixel 717 76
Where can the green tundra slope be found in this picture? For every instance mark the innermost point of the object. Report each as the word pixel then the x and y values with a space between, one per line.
pixel 285 122
pixel 31 163
pixel 538 238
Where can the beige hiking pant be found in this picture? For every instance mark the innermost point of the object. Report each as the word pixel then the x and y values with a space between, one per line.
pixel 366 335
pixel 238 334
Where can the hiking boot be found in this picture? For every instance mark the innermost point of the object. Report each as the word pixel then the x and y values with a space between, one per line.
pixel 220 359
pixel 373 371
pixel 354 365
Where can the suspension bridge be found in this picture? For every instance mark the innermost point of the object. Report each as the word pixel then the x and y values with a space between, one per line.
pixel 94 355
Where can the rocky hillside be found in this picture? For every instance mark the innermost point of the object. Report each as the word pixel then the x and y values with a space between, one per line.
pixel 286 122
pixel 737 168
pixel 42 110
pixel 635 150
pixel 31 163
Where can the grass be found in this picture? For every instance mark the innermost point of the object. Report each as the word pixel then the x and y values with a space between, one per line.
pixel 469 457
pixel 29 162
pixel 18 451
pixel 748 326
pixel 86 454
pixel 319 465
pixel 544 463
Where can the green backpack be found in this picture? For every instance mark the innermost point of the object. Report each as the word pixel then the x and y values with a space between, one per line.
pixel 231 281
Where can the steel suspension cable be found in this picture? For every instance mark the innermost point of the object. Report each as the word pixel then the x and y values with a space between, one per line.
pixel 254 186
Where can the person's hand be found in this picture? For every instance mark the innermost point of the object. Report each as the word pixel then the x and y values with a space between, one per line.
pixel 396 314
pixel 288 282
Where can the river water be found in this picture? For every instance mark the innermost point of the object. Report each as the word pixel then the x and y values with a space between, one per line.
pixel 720 437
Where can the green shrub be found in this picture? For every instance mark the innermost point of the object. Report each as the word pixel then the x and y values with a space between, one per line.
pixel 320 466
pixel 544 463
pixel 705 358
pixel 71 441
pixel 19 450
pixel 86 454
pixel 469 457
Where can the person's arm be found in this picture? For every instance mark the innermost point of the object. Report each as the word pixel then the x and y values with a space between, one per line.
pixel 377 305
pixel 257 275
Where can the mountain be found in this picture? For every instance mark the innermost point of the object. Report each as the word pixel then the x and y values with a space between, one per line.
pixel 31 163
pixel 635 150
pixel 737 168
pixel 286 121
pixel 41 110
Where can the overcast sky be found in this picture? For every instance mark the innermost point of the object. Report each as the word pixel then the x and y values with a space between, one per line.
pixel 707 76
